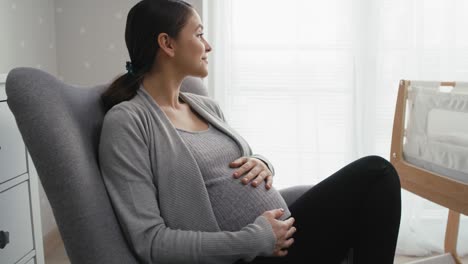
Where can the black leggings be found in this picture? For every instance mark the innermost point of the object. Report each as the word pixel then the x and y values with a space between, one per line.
pixel 357 207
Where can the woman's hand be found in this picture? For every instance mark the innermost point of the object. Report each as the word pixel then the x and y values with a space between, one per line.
pixel 283 231
pixel 257 171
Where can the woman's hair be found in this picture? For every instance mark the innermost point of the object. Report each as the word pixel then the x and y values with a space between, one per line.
pixel 145 21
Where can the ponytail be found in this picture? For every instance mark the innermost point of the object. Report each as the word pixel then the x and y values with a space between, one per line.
pixel 122 89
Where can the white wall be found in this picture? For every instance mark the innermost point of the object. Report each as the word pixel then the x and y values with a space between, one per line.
pixel 81 42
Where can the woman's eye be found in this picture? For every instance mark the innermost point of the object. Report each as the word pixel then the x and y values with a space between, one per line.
pixel 199 35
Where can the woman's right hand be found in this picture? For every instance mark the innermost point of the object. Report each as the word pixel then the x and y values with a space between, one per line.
pixel 283 231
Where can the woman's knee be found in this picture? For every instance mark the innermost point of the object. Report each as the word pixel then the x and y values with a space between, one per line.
pixel 382 166
pixel 375 162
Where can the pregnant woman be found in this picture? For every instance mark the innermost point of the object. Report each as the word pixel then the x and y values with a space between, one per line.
pixel 186 188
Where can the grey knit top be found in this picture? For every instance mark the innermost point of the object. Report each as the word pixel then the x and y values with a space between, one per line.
pixel 158 192
pixel 235 205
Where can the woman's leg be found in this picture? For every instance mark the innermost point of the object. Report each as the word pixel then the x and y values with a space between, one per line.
pixel 357 207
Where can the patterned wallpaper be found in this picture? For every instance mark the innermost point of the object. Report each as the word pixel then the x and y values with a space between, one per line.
pixel 27 29
pixel 81 42
pixel 90 39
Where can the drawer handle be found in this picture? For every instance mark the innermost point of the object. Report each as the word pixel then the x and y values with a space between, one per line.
pixel 4 239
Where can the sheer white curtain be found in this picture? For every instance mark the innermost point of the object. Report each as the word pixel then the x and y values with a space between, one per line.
pixel 312 84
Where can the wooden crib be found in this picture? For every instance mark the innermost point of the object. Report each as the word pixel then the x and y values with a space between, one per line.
pixel 443 185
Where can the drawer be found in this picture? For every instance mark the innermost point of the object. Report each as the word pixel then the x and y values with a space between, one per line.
pixel 16 220
pixel 12 148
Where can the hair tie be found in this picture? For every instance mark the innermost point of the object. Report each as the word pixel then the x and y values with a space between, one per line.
pixel 130 68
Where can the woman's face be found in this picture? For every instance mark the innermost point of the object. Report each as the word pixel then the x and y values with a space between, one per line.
pixel 192 48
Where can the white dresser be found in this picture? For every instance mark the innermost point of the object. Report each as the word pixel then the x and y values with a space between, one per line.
pixel 20 219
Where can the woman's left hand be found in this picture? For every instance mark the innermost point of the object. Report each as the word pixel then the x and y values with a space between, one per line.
pixel 257 171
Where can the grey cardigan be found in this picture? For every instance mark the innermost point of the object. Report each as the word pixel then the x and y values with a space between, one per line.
pixel 158 192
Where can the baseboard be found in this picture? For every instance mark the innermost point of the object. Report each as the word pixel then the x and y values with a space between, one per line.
pixel 51 241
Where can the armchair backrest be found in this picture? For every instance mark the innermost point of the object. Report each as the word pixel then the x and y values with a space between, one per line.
pixel 60 125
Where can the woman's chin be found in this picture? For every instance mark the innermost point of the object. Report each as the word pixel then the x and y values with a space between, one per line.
pixel 201 74
pixel 204 74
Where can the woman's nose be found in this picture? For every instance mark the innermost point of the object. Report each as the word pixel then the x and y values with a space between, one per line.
pixel 207 46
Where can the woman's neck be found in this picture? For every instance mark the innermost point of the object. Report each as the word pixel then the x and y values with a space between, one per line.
pixel 164 87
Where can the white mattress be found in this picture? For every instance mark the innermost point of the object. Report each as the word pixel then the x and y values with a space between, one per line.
pixel 437 130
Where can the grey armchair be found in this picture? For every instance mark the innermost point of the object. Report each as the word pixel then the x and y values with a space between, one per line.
pixel 60 125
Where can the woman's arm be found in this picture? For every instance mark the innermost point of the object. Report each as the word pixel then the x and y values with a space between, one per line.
pixel 126 170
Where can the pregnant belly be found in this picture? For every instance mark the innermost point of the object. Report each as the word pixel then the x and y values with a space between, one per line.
pixel 236 205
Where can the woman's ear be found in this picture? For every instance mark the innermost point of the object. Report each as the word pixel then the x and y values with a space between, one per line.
pixel 166 44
